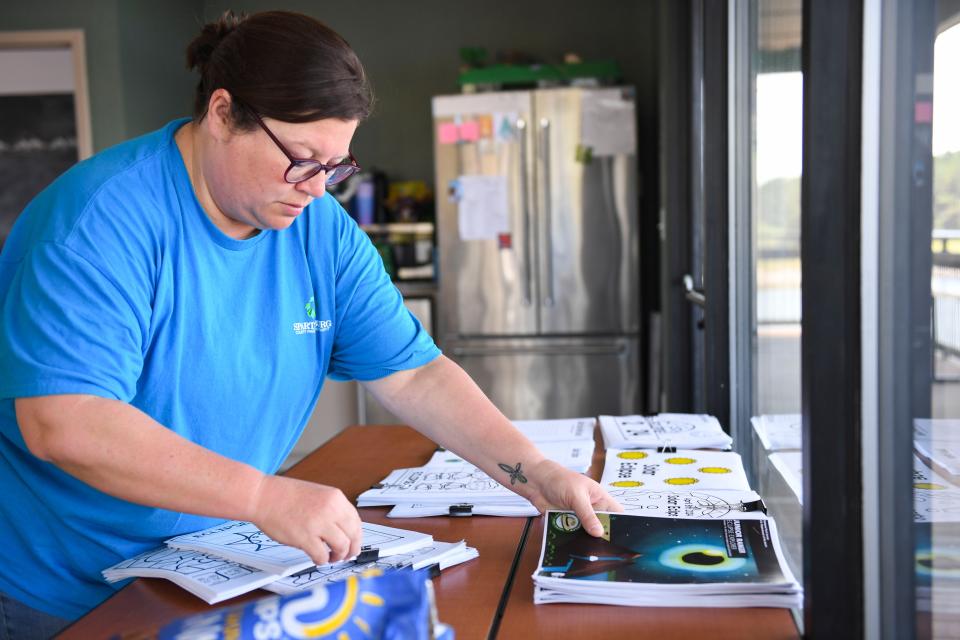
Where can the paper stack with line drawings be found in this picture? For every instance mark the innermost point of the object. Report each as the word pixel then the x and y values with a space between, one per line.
pixel 233 558
pixel 778 432
pixel 679 430
pixel 244 542
pixel 210 578
pixel 575 455
pixel 439 486
pixel 449 485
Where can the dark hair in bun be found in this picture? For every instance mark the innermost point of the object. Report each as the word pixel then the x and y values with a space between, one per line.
pixel 283 65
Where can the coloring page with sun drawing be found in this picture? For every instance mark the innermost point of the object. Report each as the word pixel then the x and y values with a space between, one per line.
pixel 705 504
pixel 935 499
pixel 683 470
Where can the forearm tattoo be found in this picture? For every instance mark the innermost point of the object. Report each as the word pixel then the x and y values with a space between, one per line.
pixel 515 474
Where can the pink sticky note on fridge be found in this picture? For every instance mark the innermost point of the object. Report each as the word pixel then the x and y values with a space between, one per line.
pixel 470 131
pixel 923 111
pixel 447 133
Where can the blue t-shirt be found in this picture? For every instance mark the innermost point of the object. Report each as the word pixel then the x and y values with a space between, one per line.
pixel 115 283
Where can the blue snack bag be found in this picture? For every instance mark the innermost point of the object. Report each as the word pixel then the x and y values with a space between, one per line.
pixel 391 606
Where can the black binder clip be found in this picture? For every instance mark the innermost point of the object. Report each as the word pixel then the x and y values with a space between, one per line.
pixel 376 486
pixel 439 448
pixel 666 449
pixel 368 554
pixel 434 569
pixel 461 510
pixel 756 505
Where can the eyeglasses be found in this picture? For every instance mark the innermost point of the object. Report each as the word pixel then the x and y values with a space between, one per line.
pixel 302 169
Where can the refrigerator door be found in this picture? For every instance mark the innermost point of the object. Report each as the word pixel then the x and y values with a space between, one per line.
pixel 544 378
pixel 587 211
pixel 483 154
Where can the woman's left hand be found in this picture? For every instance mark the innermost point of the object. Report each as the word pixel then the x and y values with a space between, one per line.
pixel 553 486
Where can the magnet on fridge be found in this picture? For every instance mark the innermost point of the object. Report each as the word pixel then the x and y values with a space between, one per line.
pixel 454 192
pixel 470 131
pixel 505 240
pixel 447 133
pixel 486 126
pixel 583 155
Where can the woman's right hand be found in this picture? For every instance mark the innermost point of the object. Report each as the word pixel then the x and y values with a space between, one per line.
pixel 313 517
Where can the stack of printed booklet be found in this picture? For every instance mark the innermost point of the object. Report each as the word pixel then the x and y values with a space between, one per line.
pixel 449 485
pixel 680 430
pixel 692 533
pixel 236 557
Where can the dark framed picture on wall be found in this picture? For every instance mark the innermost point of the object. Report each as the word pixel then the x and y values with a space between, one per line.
pixel 44 114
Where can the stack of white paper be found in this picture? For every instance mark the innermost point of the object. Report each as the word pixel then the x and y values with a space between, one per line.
pixel 936 529
pixel 663 562
pixel 448 484
pixel 572 429
pixel 703 503
pixel 429 510
pixel 938 443
pixel 440 486
pixel 243 542
pixel 207 577
pixel 206 563
pixel 680 430
pixel 441 554
pixel 683 470
pixel 573 454
pixel 935 499
pixel 778 432
pixel 790 466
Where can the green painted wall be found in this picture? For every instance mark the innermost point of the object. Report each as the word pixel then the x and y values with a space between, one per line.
pixel 157 86
pixel 98 19
pixel 411 53
pixel 138 80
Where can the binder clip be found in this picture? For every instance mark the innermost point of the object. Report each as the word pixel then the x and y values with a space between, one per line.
pixel 376 485
pixel 756 505
pixel 368 554
pixel 439 448
pixel 461 510
pixel 666 449
pixel 434 569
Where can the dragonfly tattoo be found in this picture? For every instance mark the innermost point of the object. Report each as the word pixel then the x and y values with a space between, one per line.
pixel 515 474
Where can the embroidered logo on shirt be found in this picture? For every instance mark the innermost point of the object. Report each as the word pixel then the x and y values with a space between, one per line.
pixel 313 326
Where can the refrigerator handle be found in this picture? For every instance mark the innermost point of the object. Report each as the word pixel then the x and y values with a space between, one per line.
pixel 527 233
pixel 547 207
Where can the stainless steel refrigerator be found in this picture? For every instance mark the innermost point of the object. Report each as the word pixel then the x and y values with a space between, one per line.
pixel 538 247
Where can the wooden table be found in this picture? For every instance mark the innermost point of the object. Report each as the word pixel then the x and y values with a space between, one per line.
pixel 471 597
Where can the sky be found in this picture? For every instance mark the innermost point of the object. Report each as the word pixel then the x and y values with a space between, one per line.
pixel 779 112
pixel 946 92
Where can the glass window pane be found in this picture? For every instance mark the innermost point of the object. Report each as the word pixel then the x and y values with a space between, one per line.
pixel 776 135
pixel 776 142
pixel 937 440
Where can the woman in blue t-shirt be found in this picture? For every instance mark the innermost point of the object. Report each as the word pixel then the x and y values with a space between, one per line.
pixel 170 309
